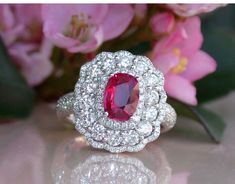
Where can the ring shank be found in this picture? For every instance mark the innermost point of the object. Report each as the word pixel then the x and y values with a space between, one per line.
pixel 64 107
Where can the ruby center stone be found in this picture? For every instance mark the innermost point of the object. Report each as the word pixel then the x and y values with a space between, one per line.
pixel 121 96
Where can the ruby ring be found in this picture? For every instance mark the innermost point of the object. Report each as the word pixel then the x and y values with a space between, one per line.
pixel 119 102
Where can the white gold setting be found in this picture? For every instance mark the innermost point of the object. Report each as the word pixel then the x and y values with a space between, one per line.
pixel 90 119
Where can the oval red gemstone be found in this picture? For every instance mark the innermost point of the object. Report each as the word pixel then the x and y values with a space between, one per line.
pixel 121 96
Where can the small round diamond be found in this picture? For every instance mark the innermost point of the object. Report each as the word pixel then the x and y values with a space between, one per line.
pixel 152 98
pixel 152 80
pixel 113 138
pixel 140 65
pixel 151 114
pixel 130 137
pixel 145 129
pixel 124 62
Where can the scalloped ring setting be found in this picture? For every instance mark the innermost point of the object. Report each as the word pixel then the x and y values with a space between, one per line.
pixel 119 102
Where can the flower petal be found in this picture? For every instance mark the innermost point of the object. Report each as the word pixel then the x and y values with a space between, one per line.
pixel 35 65
pixel 38 70
pixel 58 17
pixel 6 16
pixel 63 41
pixel 90 45
pixel 165 62
pixel 181 89
pixel 9 30
pixel 117 20
pixel 168 43
pixel 187 10
pixel 27 13
pixel 162 23
pixel 199 65
pixel 193 39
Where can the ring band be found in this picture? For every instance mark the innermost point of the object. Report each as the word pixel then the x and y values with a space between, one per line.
pixel 119 103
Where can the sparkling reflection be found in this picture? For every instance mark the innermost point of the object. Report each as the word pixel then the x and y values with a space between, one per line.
pixel 110 168
pixel 76 162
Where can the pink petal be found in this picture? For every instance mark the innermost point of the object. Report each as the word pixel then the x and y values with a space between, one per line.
pixel 27 13
pixel 46 48
pixel 57 17
pixel 186 10
pixel 117 20
pixel 35 65
pixel 181 89
pixel 187 37
pixel 164 62
pixel 90 45
pixel 38 70
pixel 9 29
pixel 168 43
pixel 193 39
pixel 6 16
pixel 11 35
pixel 63 41
pixel 29 16
pixel 162 23
pixel 199 65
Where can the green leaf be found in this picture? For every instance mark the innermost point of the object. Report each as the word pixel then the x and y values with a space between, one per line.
pixel 16 97
pixel 141 48
pixel 221 45
pixel 211 122
pixel 219 42
pixel 222 17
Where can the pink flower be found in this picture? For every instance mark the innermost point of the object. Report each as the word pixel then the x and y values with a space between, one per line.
pixel 162 23
pixel 179 57
pixel 9 29
pixel 21 28
pixel 82 28
pixel 30 17
pixel 33 60
pixel 186 10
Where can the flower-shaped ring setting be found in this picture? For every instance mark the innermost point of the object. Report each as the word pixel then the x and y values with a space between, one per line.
pixel 119 102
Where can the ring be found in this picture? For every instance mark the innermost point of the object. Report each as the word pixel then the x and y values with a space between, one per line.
pixel 119 102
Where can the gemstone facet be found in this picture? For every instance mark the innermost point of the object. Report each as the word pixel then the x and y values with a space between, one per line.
pixel 121 96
